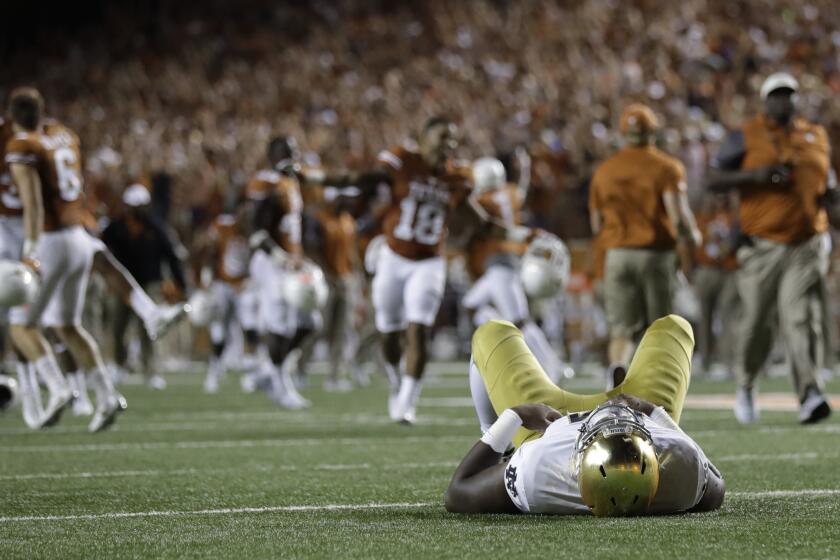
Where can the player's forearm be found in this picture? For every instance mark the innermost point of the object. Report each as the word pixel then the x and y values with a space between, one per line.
pixel 478 483
pixel 482 490
pixel 479 458
pixel 723 181
pixel 33 206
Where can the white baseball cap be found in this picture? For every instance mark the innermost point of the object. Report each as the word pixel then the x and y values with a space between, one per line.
pixel 776 81
pixel 137 195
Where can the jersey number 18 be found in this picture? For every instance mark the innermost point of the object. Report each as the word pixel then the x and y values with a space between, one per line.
pixel 420 222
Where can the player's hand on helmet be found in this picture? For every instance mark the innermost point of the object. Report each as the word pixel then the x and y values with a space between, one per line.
pixel 33 264
pixel 537 417
pixel 634 402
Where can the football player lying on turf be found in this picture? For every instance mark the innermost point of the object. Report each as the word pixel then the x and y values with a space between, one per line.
pixel 626 455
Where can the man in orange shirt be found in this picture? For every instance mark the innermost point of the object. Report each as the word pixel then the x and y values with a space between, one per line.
pixel 638 208
pixel 780 166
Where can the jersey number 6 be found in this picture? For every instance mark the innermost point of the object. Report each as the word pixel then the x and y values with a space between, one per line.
pixel 66 168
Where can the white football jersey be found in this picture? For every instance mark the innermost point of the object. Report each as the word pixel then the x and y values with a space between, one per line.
pixel 541 476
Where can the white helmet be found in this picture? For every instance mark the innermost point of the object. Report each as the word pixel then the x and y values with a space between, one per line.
pixel 545 267
pixel 372 253
pixel 306 289
pixel 8 392
pixel 200 308
pixel 18 284
pixel 488 175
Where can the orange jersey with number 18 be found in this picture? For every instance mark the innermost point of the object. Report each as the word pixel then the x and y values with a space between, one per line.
pixel 421 199
pixel 55 155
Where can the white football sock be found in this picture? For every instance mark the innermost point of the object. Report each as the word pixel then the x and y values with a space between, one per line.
pixel 393 374
pixel 49 371
pixel 78 383
pixel 35 383
pixel 216 368
pixel 408 396
pixel 542 350
pixel 481 400
pixel 142 304
pixel 30 396
pixel 286 374
pixel 102 386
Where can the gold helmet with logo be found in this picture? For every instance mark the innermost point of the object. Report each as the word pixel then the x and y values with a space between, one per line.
pixel 617 467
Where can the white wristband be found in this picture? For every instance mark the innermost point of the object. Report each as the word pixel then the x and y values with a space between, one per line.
pixel 519 233
pixel 500 435
pixel 30 249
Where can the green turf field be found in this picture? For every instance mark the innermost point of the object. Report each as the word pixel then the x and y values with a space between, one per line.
pixel 189 475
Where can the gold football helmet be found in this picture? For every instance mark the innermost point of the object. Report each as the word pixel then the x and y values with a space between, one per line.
pixel 617 467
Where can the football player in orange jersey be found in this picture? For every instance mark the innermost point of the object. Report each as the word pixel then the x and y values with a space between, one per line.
pixel 225 254
pixel 274 194
pixel 11 243
pixel 426 189
pixel 329 238
pixel 45 167
pixel 498 292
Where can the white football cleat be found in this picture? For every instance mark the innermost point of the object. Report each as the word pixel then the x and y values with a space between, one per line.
pixel 814 407
pixel 248 382
pixel 409 418
pixel 156 382
pixel 105 415
pixel 289 401
pixel 746 409
pixel 163 319
pixel 55 407
pixel 82 405
pixel 211 384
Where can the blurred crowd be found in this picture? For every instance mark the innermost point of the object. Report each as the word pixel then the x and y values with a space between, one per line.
pixel 192 94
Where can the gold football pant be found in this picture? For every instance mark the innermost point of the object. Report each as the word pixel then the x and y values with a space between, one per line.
pixel 659 372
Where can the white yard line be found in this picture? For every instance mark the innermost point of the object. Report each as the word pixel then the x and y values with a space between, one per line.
pixel 818 492
pixel 775 457
pixel 101 474
pixel 219 511
pixel 260 468
pixel 247 423
pixel 228 444
pixel 814 492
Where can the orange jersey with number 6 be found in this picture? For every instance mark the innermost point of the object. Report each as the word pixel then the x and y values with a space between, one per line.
pixel 10 204
pixel 55 155
pixel 421 199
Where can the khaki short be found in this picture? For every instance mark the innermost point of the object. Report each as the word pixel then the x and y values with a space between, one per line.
pixel 638 288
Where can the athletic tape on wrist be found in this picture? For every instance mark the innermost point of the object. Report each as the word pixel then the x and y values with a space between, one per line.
pixel 30 248
pixel 500 435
